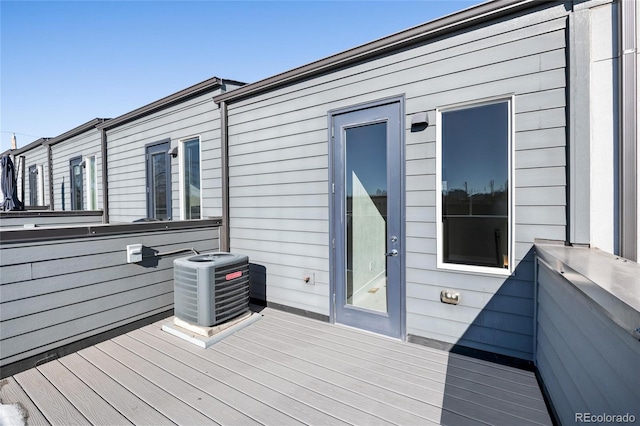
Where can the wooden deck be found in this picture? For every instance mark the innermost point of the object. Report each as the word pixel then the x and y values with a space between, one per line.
pixel 281 370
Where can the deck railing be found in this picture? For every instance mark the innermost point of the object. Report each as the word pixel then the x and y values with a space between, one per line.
pixel 40 218
pixel 64 286
pixel 587 348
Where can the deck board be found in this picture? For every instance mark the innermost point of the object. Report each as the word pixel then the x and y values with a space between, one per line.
pixel 12 393
pixel 488 397
pixel 302 394
pixel 174 409
pixel 398 409
pixel 281 370
pixel 95 409
pixel 401 350
pixel 54 405
pixel 259 391
pixel 133 408
pixel 424 404
pixel 206 376
pixel 366 406
pixel 190 395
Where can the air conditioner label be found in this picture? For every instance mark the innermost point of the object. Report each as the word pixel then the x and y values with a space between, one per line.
pixel 233 275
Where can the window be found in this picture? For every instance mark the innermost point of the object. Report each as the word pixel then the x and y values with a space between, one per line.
pixel 40 173
pixel 191 205
pixel 77 183
pixel 158 181
pixel 474 227
pixel 91 183
pixel 33 186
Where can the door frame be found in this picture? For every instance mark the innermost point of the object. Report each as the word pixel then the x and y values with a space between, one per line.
pixel 333 272
pixel 73 162
pixel 150 149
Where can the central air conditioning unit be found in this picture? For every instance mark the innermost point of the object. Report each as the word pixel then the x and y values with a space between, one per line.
pixel 211 288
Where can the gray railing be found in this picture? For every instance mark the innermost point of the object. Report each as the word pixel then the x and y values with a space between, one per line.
pixel 62 285
pixel 587 348
pixel 41 218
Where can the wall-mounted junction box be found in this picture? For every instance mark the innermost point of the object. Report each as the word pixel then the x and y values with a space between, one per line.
pixel 134 253
pixel 309 277
pixel 449 296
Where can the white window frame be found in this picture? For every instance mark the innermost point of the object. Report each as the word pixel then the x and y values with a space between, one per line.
pixel 32 170
pixel 181 173
pixel 487 270
pixel 91 189
pixel 40 180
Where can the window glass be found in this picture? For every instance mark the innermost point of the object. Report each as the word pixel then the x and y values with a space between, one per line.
pixel 159 185
pixel 77 184
pixel 366 215
pixel 191 183
pixel 33 186
pixel 92 188
pixel 475 185
pixel 158 181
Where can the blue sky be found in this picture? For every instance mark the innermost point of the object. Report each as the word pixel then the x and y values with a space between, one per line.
pixel 65 63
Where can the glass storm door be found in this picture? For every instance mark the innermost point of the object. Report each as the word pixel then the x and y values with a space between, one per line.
pixel 367 219
pixel 158 182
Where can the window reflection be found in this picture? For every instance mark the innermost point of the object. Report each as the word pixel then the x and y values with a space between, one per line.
pixel 77 184
pixel 159 174
pixel 33 186
pixel 475 185
pixel 191 184
pixel 366 216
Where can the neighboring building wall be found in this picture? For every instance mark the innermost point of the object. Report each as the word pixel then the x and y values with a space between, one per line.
pixel 84 145
pixel 36 156
pixel 126 157
pixel 279 202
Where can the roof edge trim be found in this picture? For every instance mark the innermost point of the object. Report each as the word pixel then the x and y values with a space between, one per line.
pixel 204 86
pixel 28 147
pixel 439 26
pixel 89 125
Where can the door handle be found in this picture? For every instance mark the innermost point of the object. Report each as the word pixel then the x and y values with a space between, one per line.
pixel 392 253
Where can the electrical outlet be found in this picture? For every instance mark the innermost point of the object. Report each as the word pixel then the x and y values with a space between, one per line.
pixel 449 296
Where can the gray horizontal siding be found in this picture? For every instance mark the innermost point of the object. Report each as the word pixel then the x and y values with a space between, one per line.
pixel 87 144
pixel 57 292
pixel 279 173
pixel 492 315
pixel 587 362
pixel 126 151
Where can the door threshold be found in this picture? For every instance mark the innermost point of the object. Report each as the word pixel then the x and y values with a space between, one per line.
pixel 372 333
